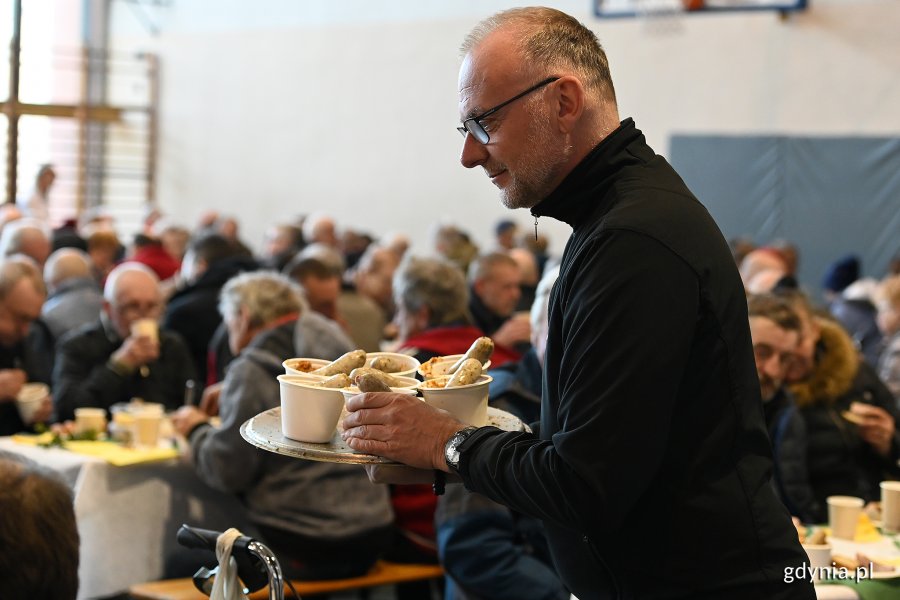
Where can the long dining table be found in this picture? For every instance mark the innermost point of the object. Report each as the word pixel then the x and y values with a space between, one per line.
pixel 127 516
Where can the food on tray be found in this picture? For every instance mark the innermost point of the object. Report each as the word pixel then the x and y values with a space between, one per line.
pixel 468 372
pixel 370 382
pixel 301 364
pixel 388 379
pixel 344 364
pixel 341 380
pixel 386 364
pixel 481 349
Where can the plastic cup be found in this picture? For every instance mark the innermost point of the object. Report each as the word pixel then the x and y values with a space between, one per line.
pixel 29 400
pixel 146 428
pixel 819 557
pixel 890 506
pixel 309 413
pixel 843 515
pixel 90 419
pixel 146 327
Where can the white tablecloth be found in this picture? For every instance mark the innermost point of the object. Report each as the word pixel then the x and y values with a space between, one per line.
pixel 127 516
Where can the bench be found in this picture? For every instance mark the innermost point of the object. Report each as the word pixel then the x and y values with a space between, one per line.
pixel 382 573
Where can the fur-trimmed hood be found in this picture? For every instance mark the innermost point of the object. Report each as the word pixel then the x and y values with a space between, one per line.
pixel 836 366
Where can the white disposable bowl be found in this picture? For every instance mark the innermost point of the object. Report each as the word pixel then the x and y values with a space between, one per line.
pixel 298 366
pixel 309 413
pixel 439 365
pixel 410 364
pixel 468 403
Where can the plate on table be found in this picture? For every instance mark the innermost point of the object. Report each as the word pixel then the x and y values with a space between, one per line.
pixel 264 431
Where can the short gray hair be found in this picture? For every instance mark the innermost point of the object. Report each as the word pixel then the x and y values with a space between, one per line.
pixel 17 267
pixel 550 40
pixel 434 283
pixel 17 233
pixel 483 266
pixel 111 287
pixel 266 295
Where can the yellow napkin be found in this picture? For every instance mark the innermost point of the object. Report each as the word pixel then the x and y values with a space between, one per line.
pixel 865 531
pixel 112 452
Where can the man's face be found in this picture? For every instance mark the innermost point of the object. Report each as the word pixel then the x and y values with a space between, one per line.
pixel 137 297
pixel 375 281
pixel 20 308
pixel 321 292
pixel 774 349
pixel 500 290
pixel 524 154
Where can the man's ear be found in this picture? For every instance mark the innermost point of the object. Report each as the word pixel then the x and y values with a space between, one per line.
pixel 107 308
pixel 570 96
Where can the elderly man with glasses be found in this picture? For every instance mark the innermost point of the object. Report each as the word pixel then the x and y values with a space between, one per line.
pixel 651 426
pixel 115 359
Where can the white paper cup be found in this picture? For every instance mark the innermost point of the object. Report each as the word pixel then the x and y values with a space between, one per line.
pixel 29 400
pixel 843 515
pixel 146 428
pixel 890 506
pixel 408 364
pixel 468 403
pixel 302 366
pixel 308 413
pixel 439 365
pixel 819 557
pixel 146 327
pixel 90 419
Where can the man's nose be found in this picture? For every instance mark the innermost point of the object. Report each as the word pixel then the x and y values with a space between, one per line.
pixel 474 153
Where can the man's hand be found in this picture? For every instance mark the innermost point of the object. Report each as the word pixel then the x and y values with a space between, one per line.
pixel 209 401
pixel 400 427
pixel 514 331
pixel 11 382
pixel 186 418
pixel 877 428
pixel 137 351
pixel 42 414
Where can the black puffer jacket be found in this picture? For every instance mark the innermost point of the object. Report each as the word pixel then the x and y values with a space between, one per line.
pixel 839 461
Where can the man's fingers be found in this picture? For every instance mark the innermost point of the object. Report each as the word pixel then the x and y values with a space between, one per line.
pixel 369 400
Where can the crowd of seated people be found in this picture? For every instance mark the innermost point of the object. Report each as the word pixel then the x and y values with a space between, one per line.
pixel 827 378
pixel 67 320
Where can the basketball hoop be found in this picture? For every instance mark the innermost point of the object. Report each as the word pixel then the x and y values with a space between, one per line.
pixel 662 17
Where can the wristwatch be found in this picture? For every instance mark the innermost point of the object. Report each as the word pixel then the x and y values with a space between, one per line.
pixel 451 449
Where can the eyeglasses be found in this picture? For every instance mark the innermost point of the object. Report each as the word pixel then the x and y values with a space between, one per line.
pixel 474 125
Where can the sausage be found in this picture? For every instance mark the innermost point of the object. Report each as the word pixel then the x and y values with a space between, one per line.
pixel 481 349
pixel 388 379
pixel 387 364
pixel 468 372
pixel 336 381
pixel 344 364
pixel 369 382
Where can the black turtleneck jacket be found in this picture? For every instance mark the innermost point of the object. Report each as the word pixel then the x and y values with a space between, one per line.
pixel 652 468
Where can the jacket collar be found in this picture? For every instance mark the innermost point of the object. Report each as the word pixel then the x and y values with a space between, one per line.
pixel 576 197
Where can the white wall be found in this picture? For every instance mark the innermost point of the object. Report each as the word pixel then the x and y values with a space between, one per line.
pixel 275 108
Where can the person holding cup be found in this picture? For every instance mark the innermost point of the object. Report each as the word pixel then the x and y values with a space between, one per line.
pixel 25 344
pixel 123 354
